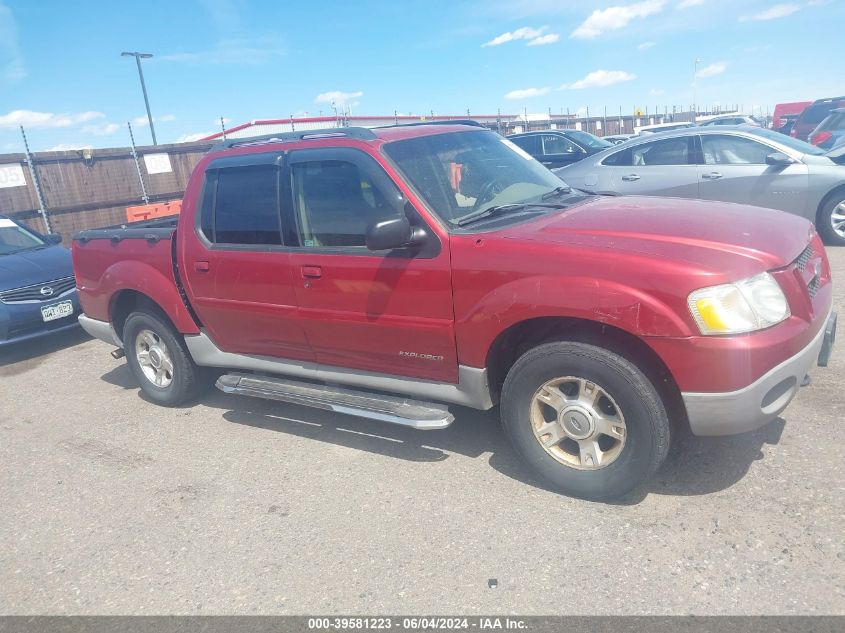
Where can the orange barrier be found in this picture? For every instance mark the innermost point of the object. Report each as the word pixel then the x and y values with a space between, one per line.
pixel 157 210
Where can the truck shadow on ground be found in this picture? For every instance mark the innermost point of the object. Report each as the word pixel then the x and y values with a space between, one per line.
pixel 20 358
pixel 696 466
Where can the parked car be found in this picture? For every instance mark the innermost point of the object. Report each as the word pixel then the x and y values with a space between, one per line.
pixel 813 115
pixel 787 123
pixel 37 289
pixel 831 131
pixel 556 148
pixel 352 269
pixel 783 110
pixel 618 139
pixel 732 119
pixel 749 165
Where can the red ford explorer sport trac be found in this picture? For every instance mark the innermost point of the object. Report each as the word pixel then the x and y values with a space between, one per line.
pixel 388 273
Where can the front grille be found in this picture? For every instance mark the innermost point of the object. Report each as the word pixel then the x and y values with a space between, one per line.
pixel 813 286
pixel 804 258
pixel 39 292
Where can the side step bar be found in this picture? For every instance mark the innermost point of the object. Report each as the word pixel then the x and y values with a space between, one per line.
pixel 419 415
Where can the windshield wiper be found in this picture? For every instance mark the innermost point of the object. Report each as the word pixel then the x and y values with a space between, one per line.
pixel 557 191
pixel 503 208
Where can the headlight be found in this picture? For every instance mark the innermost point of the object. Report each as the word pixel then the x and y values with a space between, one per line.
pixel 745 306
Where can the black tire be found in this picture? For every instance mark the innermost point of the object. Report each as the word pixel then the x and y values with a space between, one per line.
pixel 188 380
pixel 647 426
pixel 824 224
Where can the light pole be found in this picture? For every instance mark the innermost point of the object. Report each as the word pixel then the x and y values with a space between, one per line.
pixel 138 57
pixel 694 90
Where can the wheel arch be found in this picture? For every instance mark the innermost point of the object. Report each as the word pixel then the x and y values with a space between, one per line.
pixel 125 302
pixel 837 190
pixel 524 335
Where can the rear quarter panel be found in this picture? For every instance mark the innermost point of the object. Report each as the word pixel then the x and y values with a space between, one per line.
pixel 104 268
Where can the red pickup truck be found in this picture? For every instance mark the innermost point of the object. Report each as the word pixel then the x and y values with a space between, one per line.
pixel 388 273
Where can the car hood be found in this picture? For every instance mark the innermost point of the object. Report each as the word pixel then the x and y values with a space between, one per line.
pixel 717 236
pixel 35 266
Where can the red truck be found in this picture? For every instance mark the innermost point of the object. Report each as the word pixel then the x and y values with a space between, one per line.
pixel 389 273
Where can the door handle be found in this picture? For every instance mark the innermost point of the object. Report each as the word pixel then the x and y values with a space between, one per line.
pixel 713 175
pixel 202 267
pixel 312 272
pixel 630 178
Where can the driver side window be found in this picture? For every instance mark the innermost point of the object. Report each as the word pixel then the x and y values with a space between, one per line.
pixel 334 203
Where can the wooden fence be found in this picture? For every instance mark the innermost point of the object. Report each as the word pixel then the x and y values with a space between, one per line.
pixel 85 189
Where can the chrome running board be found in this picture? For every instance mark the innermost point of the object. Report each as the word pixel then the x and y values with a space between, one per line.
pixel 364 404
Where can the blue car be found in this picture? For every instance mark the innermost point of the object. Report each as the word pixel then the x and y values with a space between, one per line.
pixel 831 131
pixel 37 287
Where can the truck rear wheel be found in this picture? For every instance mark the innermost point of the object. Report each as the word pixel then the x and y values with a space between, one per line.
pixel 585 419
pixel 160 361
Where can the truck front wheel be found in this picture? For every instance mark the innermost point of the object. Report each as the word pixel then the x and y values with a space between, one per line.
pixel 160 361
pixel 585 419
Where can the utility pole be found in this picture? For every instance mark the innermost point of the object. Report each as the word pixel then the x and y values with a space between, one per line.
pixel 695 90
pixel 138 57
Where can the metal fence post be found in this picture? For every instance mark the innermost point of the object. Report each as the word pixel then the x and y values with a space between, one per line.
pixel 137 164
pixel 42 208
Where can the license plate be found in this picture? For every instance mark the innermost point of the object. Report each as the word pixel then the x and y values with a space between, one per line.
pixel 57 311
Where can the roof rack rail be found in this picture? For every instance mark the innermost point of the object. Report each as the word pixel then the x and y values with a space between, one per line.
pixel 441 122
pixel 360 133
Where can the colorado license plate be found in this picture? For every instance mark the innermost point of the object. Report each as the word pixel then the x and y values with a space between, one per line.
pixel 57 311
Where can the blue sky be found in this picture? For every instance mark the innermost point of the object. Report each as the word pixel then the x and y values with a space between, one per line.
pixel 62 76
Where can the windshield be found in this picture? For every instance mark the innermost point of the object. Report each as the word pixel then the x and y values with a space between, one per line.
pixel 791 143
pixel 461 172
pixel 15 238
pixel 588 140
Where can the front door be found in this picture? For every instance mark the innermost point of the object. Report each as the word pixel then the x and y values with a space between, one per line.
pixel 734 169
pixel 382 311
pixel 559 151
pixel 236 264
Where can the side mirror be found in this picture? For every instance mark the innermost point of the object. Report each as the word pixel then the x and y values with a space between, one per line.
pixel 778 158
pixel 392 233
pixel 53 238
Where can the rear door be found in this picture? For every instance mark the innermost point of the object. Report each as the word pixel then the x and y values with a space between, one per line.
pixel 383 311
pixel 236 264
pixel 734 169
pixel 664 167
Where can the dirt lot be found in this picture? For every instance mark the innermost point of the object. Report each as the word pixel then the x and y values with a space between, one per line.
pixel 113 505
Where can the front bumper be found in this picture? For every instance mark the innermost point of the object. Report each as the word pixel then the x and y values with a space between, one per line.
pixel 21 322
pixel 762 401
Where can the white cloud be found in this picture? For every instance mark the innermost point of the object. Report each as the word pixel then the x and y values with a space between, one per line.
pixel 712 70
pixel 523 33
pixel 11 58
pixel 31 119
pixel 613 18
pixel 196 136
pixel 68 147
pixel 339 98
pixel 646 45
pixel 686 4
pixel 600 79
pixel 656 92
pixel 527 93
pixel 143 120
pixel 773 13
pixel 235 51
pixel 226 121
pixel 548 38
pixel 101 129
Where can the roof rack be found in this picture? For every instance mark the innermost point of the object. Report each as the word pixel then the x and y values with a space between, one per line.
pixel 360 133
pixel 446 122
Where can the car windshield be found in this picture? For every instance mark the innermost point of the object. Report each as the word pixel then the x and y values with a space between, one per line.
pixel 791 143
pixel 588 140
pixel 460 173
pixel 14 238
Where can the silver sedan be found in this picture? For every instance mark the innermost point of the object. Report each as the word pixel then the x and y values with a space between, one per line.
pixel 744 164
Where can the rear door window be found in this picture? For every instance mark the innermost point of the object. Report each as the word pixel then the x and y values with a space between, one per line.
pixel 530 144
pixel 669 151
pixel 241 206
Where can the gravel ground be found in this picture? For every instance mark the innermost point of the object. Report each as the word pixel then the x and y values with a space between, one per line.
pixel 111 505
